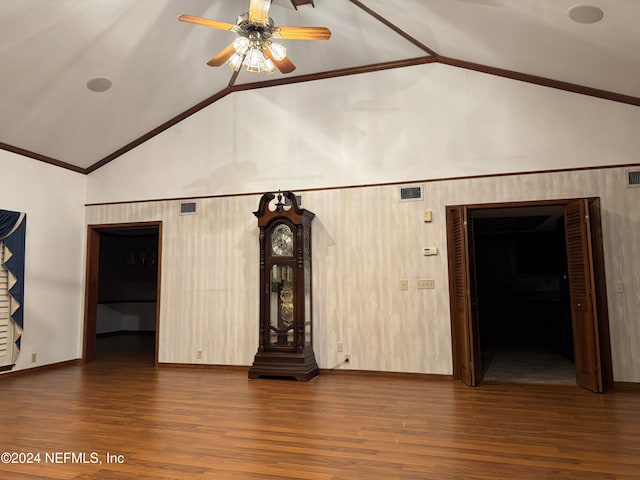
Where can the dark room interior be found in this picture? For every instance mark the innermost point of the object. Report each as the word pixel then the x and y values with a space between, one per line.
pixel 127 293
pixel 523 299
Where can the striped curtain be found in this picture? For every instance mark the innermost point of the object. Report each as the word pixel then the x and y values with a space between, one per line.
pixel 12 242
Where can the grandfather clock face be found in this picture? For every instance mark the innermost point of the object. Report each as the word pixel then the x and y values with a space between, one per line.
pixel 282 241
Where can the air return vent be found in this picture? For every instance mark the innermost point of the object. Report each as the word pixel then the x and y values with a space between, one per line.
pixel 633 178
pixel 411 193
pixel 188 208
pixel 287 202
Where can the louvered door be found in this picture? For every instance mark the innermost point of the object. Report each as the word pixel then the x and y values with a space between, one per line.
pixel 583 300
pixel 600 286
pixel 465 337
pixel 474 320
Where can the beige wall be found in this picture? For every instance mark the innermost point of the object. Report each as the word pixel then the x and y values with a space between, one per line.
pixel 364 242
pixel 52 198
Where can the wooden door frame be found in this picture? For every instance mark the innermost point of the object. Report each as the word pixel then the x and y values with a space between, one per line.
pixel 599 287
pixel 91 283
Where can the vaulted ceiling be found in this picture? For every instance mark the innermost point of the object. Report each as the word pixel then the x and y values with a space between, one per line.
pixel 50 49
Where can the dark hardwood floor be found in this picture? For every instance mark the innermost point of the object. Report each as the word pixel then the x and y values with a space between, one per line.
pixel 195 423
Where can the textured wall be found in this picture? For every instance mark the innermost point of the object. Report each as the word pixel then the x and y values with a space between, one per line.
pixel 364 242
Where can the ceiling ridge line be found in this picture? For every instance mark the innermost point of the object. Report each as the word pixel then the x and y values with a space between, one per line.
pixel 393 27
pixel 541 81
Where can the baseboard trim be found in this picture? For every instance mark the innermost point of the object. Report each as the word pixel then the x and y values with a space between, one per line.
pixel 626 387
pixel 617 386
pixel 378 373
pixel 323 371
pixel 51 366
pixel 205 366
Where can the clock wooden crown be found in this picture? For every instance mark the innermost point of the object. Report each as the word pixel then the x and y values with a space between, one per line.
pixel 296 214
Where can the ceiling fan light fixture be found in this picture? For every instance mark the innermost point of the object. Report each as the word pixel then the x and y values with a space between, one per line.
pixel 241 45
pixel 235 61
pixel 269 66
pixel 254 61
pixel 278 51
pixel 252 47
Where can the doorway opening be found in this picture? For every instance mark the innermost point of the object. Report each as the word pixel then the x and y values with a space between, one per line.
pixel 524 308
pixel 121 313
pixel 529 288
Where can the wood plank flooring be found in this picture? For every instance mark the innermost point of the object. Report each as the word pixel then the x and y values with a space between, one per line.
pixel 184 423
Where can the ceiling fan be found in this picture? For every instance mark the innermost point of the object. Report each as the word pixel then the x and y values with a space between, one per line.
pixel 253 47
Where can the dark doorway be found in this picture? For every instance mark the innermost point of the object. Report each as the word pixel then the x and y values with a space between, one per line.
pixel 122 292
pixel 524 308
pixel 585 283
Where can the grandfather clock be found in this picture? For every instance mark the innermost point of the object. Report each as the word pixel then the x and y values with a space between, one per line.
pixel 285 347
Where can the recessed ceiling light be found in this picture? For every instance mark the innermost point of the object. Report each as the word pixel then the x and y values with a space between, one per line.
pixel 585 14
pixel 99 84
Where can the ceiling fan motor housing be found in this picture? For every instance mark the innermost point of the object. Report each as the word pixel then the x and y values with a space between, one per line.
pixel 246 27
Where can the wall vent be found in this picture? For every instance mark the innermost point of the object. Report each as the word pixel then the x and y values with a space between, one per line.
pixel 633 178
pixel 411 193
pixel 188 208
pixel 287 202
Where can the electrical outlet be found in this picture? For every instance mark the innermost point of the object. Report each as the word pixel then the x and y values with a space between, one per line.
pixel 424 284
pixel 199 355
pixel 34 356
pixel 347 357
pixel 404 284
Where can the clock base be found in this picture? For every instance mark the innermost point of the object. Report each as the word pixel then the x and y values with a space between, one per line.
pixel 274 364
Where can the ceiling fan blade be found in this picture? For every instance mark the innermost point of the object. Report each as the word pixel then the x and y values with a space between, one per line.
pixel 207 23
pixel 223 56
pixel 302 33
pixel 284 65
pixel 259 11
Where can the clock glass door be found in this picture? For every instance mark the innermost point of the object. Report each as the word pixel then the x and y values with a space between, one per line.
pixel 281 306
